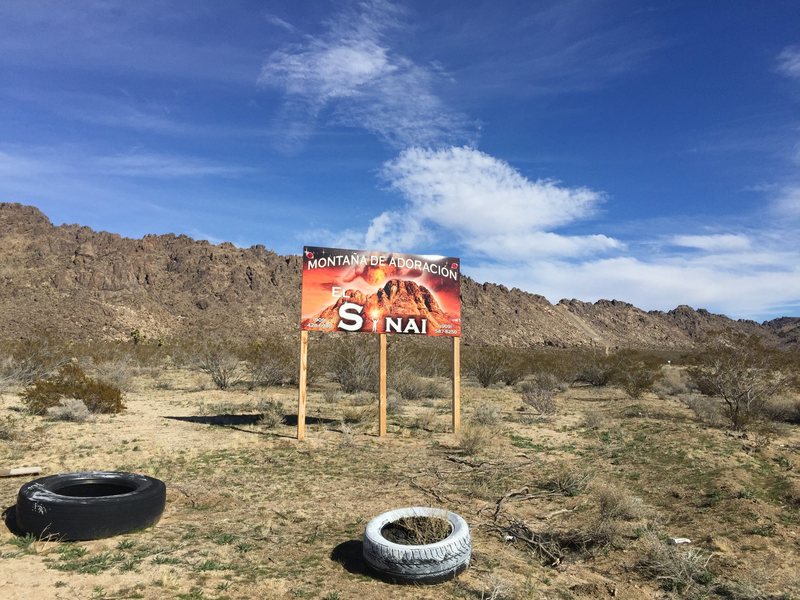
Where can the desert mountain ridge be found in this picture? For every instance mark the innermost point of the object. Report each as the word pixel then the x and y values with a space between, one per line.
pixel 74 282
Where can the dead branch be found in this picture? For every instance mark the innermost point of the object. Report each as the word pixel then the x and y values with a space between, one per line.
pixel 430 491
pixel 542 547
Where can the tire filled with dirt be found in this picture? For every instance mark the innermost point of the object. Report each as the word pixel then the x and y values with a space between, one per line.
pixel 417 545
pixel 89 505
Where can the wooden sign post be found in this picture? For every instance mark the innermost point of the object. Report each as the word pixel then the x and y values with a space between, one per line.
pixel 301 382
pixel 456 384
pixel 382 385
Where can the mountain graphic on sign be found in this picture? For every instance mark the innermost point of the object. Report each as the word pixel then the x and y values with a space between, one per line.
pixel 398 298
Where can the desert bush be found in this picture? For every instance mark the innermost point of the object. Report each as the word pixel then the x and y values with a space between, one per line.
pixel 783 409
pixel 413 387
pixel 9 428
pixel 593 419
pixel 70 409
pixel 474 438
pixel 490 364
pixel 331 395
pixel 486 413
pixel 6 373
pixel 72 382
pixel 569 481
pixel 267 362
pixel 421 357
pixel 33 359
pixel 673 382
pixel 356 414
pixel 677 569
pixel 426 420
pixel 272 413
pixel 595 369
pixel 394 403
pixel 744 374
pixel 354 365
pixel 615 504
pixel 707 410
pixel 118 372
pixel 636 379
pixel 363 399
pixel 220 363
pixel 539 396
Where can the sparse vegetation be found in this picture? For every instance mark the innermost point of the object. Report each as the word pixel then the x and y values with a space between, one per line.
pixel 596 487
pixel 486 413
pixel 72 382
pixel 220 363
pixel 538 394
pixel 70 409
pixel 489 364
pixel 268 362
pixel 354 365
pixel 272 413
pixel 677 569
pixel 473 439
pixel 744 374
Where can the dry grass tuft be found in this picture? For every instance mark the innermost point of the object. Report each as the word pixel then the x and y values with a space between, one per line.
pixel 676 568
pixel 70 409
pixel 474 439
pixel 615 503
pixel 486 413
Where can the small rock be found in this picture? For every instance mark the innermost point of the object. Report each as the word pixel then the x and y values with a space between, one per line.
pixel 678 540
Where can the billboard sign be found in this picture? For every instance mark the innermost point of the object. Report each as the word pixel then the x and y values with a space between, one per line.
pixel 380 292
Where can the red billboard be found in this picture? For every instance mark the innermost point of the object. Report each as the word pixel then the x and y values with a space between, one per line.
pixel 380 292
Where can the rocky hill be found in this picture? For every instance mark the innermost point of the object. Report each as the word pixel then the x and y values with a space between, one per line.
pixel 74 282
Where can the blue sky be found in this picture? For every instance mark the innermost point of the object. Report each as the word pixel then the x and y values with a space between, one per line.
pixel 648 153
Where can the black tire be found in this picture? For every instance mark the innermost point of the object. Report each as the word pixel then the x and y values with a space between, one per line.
pixel 89 505
pixel 427 563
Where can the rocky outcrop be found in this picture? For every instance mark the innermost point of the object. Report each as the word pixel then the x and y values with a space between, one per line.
pixel 74 282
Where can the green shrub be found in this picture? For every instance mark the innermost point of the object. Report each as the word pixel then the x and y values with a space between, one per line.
pixel 72 382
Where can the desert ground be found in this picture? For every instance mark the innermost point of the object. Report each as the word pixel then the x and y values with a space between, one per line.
pixel 597 488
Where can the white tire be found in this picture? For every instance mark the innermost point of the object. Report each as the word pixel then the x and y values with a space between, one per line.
pixel 426 563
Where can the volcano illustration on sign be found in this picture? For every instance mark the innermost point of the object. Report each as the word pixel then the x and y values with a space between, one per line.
pixel 380 292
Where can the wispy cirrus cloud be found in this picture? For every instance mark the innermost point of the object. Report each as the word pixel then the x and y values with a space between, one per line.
pixel 719 242
pixel 788 62
pixel 351 72
pixel 36 164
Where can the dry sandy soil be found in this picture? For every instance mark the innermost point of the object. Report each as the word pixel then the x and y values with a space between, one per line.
pixel 252 513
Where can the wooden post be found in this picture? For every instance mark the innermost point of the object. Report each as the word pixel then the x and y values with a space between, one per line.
pixel 456 384
pixel 382 385
pixel 301 395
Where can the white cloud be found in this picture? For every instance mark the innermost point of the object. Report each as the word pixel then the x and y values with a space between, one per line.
pixel 352 70
pixel 484 204
pixel 736 290
pixel 787 203
pixel 789 62
pixel 468 191
pixel 723 242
